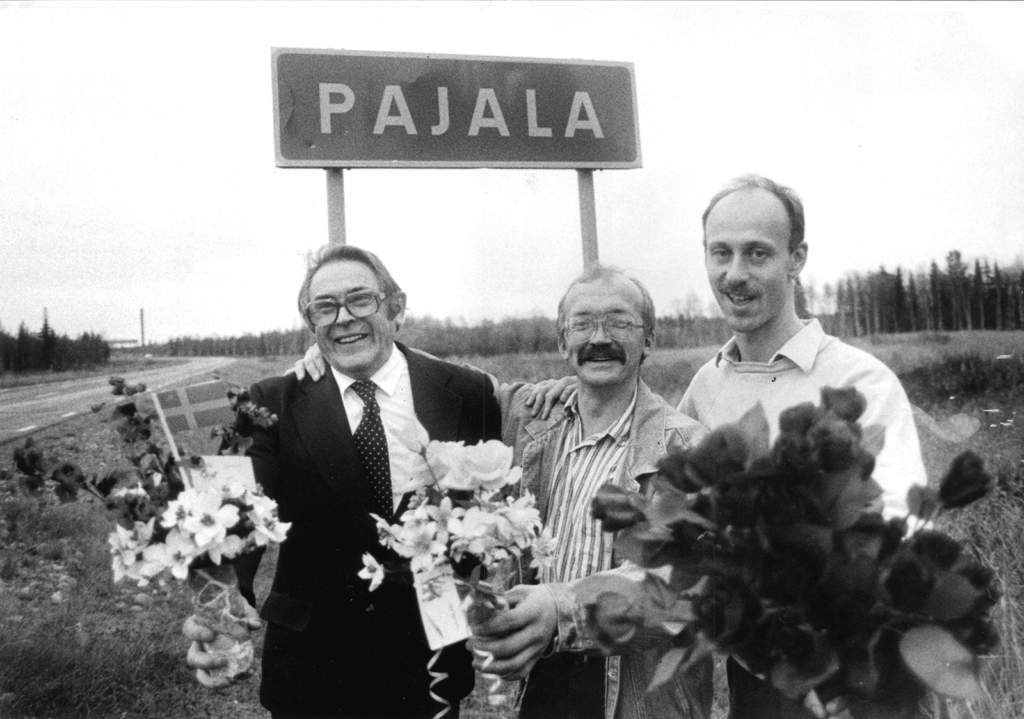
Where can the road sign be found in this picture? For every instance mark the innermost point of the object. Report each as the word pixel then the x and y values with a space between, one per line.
pixel 338 108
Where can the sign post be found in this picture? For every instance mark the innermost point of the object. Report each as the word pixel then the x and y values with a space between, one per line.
pixel 335 206
pixel 337 109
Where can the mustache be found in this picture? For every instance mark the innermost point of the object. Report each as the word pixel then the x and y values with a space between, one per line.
pixel 743 288
pixel 611 350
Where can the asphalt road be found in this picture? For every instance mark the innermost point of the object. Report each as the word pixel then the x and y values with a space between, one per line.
pixel 25 409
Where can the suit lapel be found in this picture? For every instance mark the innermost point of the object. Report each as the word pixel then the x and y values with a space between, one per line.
pixel 437 408
pixel 323 428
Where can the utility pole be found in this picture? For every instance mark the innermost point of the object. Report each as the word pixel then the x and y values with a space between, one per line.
pixel 142 327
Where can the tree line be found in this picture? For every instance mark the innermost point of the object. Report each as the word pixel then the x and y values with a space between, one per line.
pixel 446 338
pixel 943 299
pixel 956 296
pixel 46 350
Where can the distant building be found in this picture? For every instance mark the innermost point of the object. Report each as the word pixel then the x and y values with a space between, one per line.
pixel 122 344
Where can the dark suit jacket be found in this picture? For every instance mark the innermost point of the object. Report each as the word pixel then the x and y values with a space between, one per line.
pixel 332 647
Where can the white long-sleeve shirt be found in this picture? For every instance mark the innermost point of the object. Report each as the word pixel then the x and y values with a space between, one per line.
pixel 726 387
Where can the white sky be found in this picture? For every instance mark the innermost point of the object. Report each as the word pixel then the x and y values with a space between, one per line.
pixel 137 166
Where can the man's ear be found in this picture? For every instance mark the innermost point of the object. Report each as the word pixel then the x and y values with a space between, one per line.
pixel 396 308
pixel 648 346
pixel 563 349
pixel 797 258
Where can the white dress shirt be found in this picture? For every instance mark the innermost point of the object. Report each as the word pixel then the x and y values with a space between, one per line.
pixel 397 414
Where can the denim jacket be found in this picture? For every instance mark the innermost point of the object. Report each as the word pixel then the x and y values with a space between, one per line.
pixel 656 429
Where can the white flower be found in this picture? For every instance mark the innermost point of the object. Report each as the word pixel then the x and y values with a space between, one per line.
pixel 231 546
pixel 268 530
pixel 175 553
pixel 418 541
pixel 207 519
pixel 234 489
pixel 372 570
pixel 178 509
pixel 448 517
pixel 483 466
pixel 518 522
pixel 491 463
pixel 543 550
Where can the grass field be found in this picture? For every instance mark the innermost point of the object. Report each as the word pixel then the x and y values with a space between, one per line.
pixel 73 644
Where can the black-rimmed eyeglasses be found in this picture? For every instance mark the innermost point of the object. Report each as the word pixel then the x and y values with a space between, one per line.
pixel 323 312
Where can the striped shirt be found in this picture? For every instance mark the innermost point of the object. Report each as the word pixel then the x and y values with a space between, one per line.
pixel 582 466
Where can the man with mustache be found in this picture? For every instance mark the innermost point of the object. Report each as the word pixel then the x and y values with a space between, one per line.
pixel 754 250
pixel 612 429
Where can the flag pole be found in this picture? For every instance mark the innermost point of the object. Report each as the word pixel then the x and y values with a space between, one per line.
pixel 170 440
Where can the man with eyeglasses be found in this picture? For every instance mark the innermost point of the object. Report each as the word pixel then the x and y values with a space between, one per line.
pixel 612 429
pixel 335 455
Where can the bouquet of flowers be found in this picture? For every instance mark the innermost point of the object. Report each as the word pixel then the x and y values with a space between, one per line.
pixel 780 557
pixel 466 524
pixel 187 520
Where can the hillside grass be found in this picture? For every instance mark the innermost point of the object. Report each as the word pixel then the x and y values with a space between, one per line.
pixel 73 644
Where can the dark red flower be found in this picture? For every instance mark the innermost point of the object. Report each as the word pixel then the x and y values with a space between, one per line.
pixel 965 482
pixel 937 548
pixel 798 419
pixel 835 443
pixel 727 610
pixel 723 452
pixel 845 402
pixel 616 508
pixel 909 582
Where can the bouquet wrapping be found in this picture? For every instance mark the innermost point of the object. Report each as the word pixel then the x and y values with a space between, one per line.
pixel 780 557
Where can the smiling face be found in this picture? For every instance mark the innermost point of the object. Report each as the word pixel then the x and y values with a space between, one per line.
pixel 357 347
pixel 750 266
pixel 600 359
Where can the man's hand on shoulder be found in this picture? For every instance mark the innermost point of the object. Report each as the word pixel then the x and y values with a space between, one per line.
pixel 517 638
pixel 547 393
pixel 312 363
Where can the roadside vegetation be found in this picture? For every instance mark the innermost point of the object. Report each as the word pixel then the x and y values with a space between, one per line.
pixel 73 644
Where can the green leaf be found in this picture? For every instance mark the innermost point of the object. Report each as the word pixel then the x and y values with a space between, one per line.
pixel 952 597
pixel 853 497
pixel 667 666
pixel 628 544
pixel 873 439
pixel 691 655
pixel 941 662
pixel 669 505
pixel 922 501
pixel 754 424
pixel 657 591
pixel 794 682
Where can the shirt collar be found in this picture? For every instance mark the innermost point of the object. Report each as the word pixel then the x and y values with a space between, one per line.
pixel 386 378
pixel 801 349
pixel 617 430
